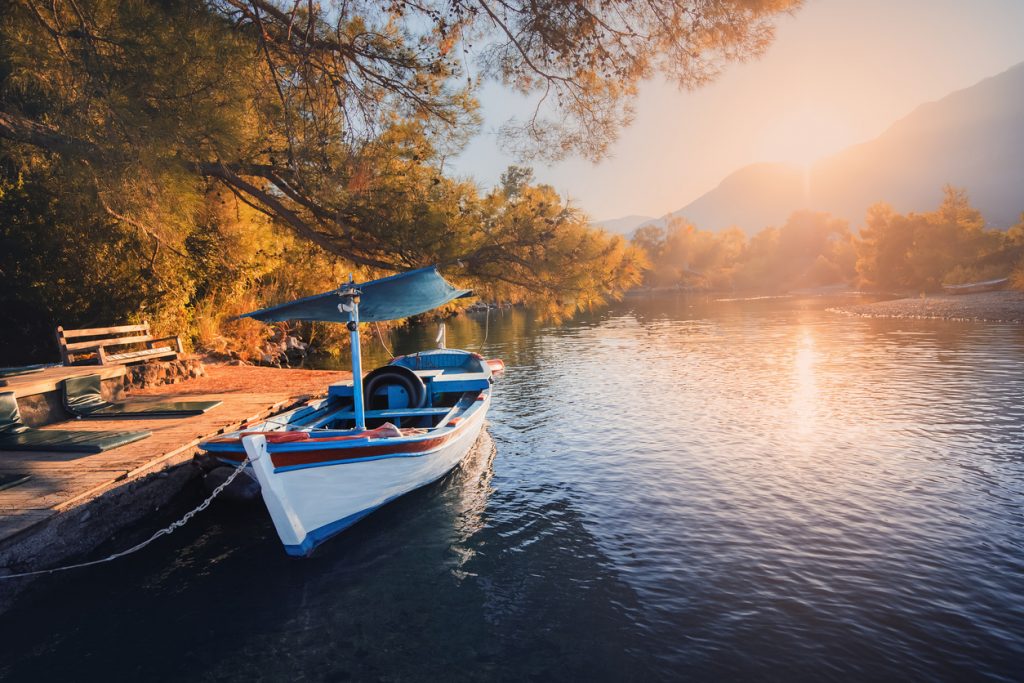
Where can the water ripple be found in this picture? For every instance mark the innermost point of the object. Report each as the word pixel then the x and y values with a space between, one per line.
pixel 674 489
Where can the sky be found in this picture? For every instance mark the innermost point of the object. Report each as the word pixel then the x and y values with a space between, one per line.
pixel 840 72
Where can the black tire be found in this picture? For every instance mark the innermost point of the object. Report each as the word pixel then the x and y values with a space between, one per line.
pixel 394 375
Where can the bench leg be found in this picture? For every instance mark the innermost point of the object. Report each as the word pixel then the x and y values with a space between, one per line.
pixel 65 357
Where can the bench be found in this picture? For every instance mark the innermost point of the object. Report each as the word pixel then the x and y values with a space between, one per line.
pixel 98 341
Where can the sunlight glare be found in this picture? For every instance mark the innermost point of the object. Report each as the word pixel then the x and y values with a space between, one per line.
pixel 805 395
pixel 806 134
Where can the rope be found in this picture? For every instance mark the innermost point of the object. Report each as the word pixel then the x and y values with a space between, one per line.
pixel 139 546
pixel 487 326
pixel 289 424
pixel 376 328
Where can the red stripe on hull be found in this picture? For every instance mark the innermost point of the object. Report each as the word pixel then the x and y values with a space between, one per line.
pixel 316 456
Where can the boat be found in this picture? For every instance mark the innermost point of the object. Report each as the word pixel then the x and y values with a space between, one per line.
pixel 326 465
pixel 976 287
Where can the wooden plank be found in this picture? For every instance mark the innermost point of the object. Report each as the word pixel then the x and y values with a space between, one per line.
pixel 51 378
pixel 180 453
pixel 141 353
pixel 38 498
pixel 62 346
pixel 113 341
pixel 96 331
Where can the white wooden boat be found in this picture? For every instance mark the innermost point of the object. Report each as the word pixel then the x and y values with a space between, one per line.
pixel 323 467
pixel 976 287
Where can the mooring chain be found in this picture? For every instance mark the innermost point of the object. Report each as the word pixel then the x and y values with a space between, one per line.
pixel 174 526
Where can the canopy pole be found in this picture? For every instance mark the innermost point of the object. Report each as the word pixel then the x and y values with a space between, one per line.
pixel 357 366
pixel 350 305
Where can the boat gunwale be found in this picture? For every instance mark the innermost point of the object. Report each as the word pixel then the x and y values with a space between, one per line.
pixel 434 440
pixel 313 414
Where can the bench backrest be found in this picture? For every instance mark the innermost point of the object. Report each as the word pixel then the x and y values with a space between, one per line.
pixel 92 337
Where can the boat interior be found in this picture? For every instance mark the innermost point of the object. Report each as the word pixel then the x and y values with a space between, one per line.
pixel 424 390
pixel 413 394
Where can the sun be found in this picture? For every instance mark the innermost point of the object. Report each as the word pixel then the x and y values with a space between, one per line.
pixel 805 134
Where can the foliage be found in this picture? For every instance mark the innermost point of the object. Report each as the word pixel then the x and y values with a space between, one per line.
pixel 1014 253
pixel 896 252
pixel 66 261
pixel 811 249
pixel 184 161
pixel 923 251
pixel 63 262
pixel 329 118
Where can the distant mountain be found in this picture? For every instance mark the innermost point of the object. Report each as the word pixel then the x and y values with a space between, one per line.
pixel 625 225
pixel 972 138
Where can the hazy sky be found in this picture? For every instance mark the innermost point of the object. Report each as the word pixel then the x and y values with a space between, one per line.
pixel 839 72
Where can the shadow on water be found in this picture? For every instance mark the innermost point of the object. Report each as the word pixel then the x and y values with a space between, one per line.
pixel 672 488
pixel 431 587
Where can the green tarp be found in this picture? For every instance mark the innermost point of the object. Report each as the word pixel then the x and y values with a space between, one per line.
pixel 16 436
pixel 82 398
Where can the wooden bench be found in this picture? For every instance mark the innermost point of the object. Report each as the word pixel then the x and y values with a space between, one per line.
pixel 97 341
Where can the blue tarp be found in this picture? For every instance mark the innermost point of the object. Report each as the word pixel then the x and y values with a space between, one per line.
pixel 390 298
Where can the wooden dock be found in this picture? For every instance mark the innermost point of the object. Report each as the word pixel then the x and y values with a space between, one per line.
pixel 49 379
pixel 61 483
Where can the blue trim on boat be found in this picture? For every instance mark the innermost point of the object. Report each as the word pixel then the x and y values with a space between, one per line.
pixel 318 536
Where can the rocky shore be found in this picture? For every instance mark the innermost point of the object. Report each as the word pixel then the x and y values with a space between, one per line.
pixel 1003 306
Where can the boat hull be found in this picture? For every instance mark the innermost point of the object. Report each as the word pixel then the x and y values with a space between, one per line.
pixel 310 504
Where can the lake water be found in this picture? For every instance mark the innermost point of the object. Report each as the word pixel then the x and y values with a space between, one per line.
pixel 674 488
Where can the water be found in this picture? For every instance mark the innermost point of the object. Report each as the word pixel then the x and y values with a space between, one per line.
pixel 672 489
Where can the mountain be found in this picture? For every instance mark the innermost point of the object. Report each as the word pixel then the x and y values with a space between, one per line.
pixel 625 225
pixel 972 138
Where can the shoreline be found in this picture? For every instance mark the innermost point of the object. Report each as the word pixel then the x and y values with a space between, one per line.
pixel 1005 306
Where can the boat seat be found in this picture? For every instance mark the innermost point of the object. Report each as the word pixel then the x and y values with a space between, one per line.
pixel 399 412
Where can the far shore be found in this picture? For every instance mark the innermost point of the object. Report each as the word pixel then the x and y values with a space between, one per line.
pixel 1001 306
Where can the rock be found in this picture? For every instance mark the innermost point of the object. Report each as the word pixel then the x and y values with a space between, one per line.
pixel 156 373
pixel 243 488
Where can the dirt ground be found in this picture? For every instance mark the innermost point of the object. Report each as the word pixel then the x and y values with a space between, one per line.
pixel 222 378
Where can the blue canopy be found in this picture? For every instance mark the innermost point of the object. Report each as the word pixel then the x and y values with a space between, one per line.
pixel 390 298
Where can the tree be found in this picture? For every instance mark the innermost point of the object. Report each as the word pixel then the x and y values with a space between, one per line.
pixel 650 238
pixel 1015 255
pixel 884 248
pixel 923 251
pixel 945 238
pixel 291 105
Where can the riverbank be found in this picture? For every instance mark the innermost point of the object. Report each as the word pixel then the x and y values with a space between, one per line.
pixel 1003 306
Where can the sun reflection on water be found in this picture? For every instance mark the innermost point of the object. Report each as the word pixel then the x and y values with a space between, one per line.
pixel 805 389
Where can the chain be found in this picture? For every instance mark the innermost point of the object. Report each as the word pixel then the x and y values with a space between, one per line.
pixel 139 546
